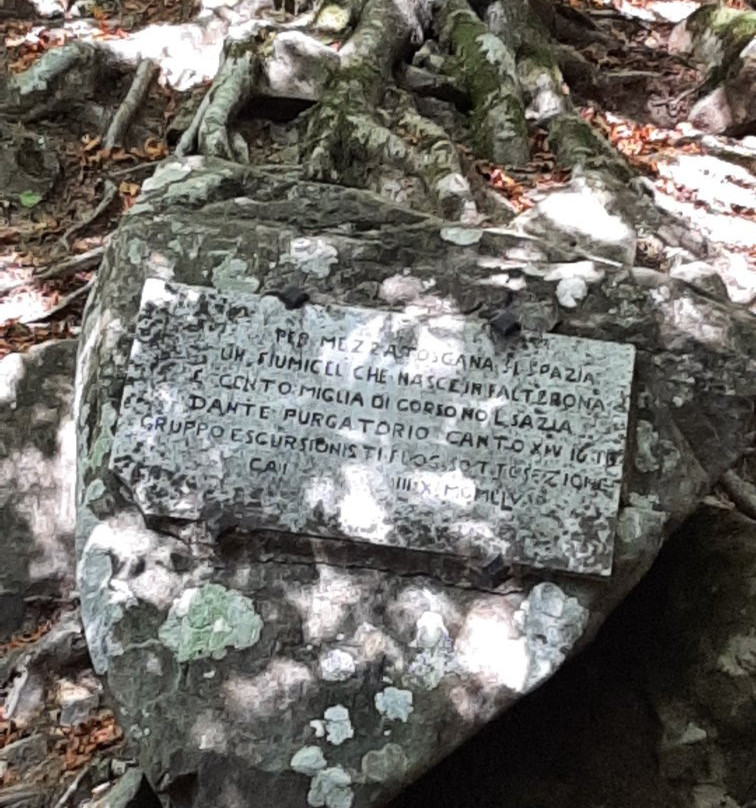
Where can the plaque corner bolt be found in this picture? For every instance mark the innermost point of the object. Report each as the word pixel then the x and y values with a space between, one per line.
pixel 505 323
pixel 293 297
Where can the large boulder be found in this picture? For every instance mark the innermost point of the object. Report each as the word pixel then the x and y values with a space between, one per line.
pixel 245 670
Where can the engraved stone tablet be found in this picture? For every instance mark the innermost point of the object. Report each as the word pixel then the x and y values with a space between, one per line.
pixel 428 433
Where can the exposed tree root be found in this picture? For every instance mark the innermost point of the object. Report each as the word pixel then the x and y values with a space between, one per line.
pixel 487 68
pixel 576 144
pixel 365 128
pixel 76 263
pixel 62 305
pixel 110 193
pixel 338 130
pixel 347 140
pixel 742 493
pixel 231 88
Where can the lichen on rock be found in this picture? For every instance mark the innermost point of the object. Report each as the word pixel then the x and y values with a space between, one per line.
pixel 206 621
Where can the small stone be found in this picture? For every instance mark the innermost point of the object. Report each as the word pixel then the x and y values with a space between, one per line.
pixel 462 236
pixel 586 270
pixel 571 291
pixel 336 666
pixel 292 297
pixel 76 702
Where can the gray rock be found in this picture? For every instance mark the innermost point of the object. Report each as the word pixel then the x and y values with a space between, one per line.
pixel 129 791
pixel 213 646
pixel 37 476
pixel 27 163
pixel 77 699
pixel 25 754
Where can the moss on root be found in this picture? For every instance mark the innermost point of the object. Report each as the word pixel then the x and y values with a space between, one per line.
pixel 731 29
pixel 576 144
pixel 487 68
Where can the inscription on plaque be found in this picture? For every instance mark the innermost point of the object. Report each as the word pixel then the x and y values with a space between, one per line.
pixel 428 433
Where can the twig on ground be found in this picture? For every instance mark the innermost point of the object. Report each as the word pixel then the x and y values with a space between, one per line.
pixel 74 784
pixel 14 692
pixel 742 493
pixel 64 303
pixel 143 77
pixel 124 172
pixel 111 190
pixel 72 265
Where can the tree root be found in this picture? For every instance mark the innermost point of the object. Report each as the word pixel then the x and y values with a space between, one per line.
pixel 486 67
pixel 345 138
pixel 576 144
pixel 110 193
pixel 742 493
pixel 337 132
pixel 538 69
pixel 365 128
pixel 62 305
pixel 356 148
pixel 210 129
pixel 70 266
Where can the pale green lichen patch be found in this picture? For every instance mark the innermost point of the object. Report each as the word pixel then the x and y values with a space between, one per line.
pixel 394 704
pixel 332 18
pixel 308 760
pixel 388 763
pixel 313 256
pixel 337 725
pixel 463 236
pixel 493 50
pixel 232 275
pixel 552 622
pixel 434 657
pixel 331 788
pixel 206 621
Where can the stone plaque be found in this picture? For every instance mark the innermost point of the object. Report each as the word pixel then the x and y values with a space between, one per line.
pixel 431 433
